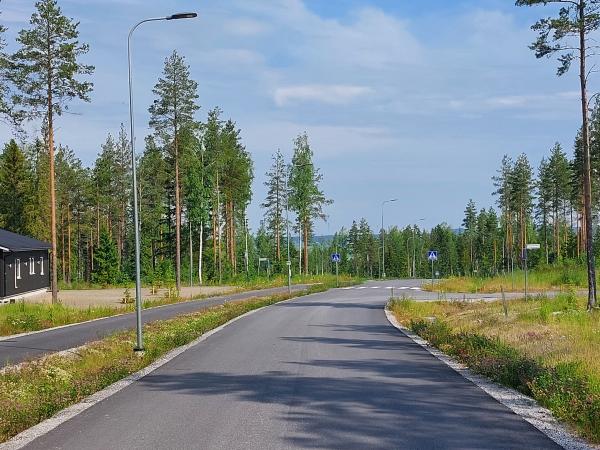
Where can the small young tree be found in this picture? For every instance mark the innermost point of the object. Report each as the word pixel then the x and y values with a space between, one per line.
pixel 45 70
pixel 106 261
pixel 568 35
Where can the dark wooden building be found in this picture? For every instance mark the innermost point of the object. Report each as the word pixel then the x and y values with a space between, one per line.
pixel 24 265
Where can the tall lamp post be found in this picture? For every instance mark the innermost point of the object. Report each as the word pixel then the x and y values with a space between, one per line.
pixel 136 222
pixel 383 237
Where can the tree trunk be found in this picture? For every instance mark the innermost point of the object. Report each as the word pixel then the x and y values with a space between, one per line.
pixel 586 162
pixel 177 217
pixel 54 259
pixel 200 250
pixel 68 243
pixel 305 244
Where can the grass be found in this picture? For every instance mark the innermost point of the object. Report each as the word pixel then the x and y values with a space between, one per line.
pixel 23 316
pixel 34 391
pixel 541 279
pixel 546 348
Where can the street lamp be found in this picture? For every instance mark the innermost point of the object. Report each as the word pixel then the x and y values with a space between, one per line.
pixel 136 222
pixel 383 237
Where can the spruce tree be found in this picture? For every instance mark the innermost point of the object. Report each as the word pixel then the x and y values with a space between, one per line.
pixel 45 69
pixel 106 261
pixel 15 190
pixel 172 112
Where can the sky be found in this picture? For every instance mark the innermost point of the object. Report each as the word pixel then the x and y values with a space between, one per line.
pixel 416 99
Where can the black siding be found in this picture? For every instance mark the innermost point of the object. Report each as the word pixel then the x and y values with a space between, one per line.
pixel 1 274
pixel 28 282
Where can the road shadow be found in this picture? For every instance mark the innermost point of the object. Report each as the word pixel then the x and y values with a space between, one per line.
pixel 391 394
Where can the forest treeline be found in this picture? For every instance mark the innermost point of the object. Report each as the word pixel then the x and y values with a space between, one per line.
pixel 194 175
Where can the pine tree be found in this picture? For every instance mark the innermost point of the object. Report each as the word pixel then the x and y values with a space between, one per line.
pixel 306 197
pixel 15 190
pixel 275 200
pixel 502 183
pixel 173 111
pixel 544 204
pixel 568 35
pixel 5 110
pixel 235 185
pixel 521 188
pixel 45 71
pixel 560 179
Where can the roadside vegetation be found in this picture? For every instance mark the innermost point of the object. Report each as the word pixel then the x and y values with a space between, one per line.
pixel 23 316
pixel 560 278
pixel 546 348
pixel 32 392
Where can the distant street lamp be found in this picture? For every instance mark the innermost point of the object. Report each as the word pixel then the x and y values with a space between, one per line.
pixel 383 237
pixel 136 223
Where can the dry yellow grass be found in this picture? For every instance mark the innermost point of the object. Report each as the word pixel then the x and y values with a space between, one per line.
pixel 552 331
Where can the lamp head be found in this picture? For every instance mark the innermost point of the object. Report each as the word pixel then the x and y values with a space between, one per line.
pixel 187 15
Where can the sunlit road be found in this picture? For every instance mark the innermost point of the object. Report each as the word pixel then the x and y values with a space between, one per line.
pixel 321 371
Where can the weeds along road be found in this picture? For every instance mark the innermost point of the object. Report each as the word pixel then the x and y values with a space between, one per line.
pixel 321 371
pixel 14 350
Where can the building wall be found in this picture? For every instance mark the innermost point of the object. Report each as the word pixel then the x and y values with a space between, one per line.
pixel 1 274
pixel 20 277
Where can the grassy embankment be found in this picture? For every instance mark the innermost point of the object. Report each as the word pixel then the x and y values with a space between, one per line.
pixel 23 317
pixel 548 349
pixel 558 278
pixel 34 391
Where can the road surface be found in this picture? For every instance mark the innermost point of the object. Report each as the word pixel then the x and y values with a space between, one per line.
pixel 321 371
pixel 14 350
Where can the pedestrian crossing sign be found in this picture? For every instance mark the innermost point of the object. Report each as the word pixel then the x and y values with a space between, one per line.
pixel 432 255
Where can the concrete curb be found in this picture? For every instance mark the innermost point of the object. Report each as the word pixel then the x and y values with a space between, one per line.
pixel 26 437
pixel 525 407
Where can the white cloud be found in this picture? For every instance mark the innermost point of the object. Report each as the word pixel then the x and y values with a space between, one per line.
pixel 336 94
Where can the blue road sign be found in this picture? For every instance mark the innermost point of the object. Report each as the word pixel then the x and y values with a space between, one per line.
pixel 335 257
pixel 432 255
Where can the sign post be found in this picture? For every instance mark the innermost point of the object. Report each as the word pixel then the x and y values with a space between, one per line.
pixel 432 255
pixel 335 257
pixel 528 247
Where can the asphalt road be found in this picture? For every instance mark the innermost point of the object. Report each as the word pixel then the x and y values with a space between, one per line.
pixel 18 349
pixel 321 371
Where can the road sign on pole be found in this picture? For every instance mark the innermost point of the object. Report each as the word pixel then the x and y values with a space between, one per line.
pixel 432 255
pixel 528 247
pixel 335 257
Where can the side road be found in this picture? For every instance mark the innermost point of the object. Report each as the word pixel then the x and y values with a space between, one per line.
pixel 16 349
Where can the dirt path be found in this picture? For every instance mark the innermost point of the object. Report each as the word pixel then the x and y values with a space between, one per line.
pixel 84 298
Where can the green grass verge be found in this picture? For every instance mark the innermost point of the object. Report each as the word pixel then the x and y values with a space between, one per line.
pixel 34 391
pixel 545 348
pixel 22 317
pixel 560 277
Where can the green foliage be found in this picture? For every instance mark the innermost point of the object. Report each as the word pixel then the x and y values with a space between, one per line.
pixel 15 190
pixel 46 66
pixel 106 262
pixel 562 389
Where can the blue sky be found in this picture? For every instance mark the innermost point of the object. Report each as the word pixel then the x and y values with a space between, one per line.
pixel 417 100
